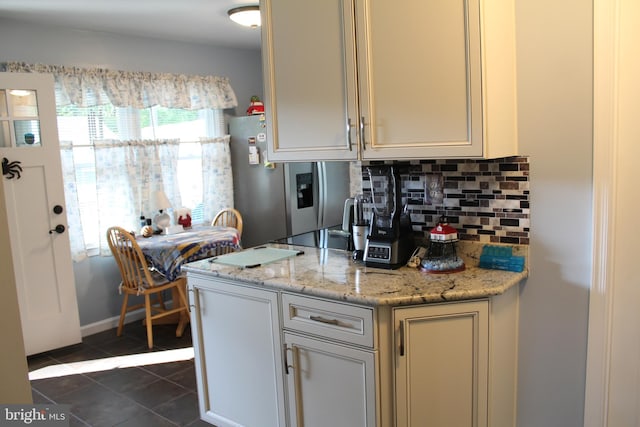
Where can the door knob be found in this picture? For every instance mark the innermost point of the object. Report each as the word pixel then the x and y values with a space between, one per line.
pixel 59 229
pixel 57 209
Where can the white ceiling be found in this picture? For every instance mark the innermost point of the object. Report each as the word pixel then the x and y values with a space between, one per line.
pixel 194 21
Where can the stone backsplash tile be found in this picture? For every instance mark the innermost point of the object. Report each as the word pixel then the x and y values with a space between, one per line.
pixel 486 200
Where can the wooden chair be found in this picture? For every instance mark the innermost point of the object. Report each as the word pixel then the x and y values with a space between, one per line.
pixel 229 217
pixel 139 279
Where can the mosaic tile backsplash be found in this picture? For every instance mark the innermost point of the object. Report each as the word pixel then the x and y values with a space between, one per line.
pixel 487 201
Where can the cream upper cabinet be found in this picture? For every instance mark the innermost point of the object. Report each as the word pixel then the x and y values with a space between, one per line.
pixel 381 80
pixel 310 79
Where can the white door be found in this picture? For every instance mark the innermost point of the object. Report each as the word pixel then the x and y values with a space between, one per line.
pixel 613 358
pixel 34 199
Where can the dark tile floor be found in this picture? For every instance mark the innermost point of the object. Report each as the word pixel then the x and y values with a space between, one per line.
pixel 146 395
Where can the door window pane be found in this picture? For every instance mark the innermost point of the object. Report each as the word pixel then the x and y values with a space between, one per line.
pixel 5 135
pixel 27 133
pixel 3 104
pixel 24 103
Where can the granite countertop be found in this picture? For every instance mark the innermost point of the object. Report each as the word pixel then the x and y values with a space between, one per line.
pixel 331 273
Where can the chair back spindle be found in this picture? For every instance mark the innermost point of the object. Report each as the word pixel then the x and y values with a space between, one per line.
pixel 229 217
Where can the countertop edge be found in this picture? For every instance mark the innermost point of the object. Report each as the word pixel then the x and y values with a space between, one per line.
pixel 405 286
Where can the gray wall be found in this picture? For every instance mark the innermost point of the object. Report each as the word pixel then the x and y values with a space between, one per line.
pixel 554 50
pixel 49 45
pixel 97 278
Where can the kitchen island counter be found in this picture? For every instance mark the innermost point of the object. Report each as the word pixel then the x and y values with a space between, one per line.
pixel 369 344
pixel 332 274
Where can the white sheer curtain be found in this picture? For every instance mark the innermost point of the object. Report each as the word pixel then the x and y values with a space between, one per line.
pixel 127 175
pixel 216 175
pixel 76 235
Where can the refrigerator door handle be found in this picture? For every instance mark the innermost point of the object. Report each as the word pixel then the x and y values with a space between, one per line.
pixel 322 192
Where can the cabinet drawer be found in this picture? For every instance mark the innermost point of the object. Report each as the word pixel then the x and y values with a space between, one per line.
pixel 333 320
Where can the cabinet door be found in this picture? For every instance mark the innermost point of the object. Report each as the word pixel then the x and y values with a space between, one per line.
pixel 419 76
pixel 309 72
pixel 238 354
pixel 442 365
pixel 329 384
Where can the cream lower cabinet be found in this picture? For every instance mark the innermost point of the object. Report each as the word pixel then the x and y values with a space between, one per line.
pixel 268 358
pixel 442 365
pixel 329 384
pixel 238 353
pixel 331 362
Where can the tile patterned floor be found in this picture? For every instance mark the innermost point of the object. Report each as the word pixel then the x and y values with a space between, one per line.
pixel 155 395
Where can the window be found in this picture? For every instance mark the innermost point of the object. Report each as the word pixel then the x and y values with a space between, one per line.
pixel 82 127
pixel 119 149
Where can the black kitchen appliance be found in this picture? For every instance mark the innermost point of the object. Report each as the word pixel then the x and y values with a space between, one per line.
pixel 390 240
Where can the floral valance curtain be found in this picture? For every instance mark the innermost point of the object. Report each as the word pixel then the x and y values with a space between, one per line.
pixel 96 86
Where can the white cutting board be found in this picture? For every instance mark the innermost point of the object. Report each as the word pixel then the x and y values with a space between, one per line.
pixel 255 257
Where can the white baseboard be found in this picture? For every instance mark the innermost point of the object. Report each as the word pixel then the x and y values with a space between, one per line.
pixel 110 323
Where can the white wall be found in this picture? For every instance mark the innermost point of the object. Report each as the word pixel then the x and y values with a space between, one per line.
pixel 97 278
pixel 15 387
pixel 554 51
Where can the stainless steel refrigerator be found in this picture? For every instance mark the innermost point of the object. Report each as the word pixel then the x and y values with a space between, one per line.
pixel 283 199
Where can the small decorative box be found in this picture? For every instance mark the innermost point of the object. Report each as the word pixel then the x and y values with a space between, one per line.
pixel 500 258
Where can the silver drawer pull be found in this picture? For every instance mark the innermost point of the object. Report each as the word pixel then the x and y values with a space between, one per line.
pixel 286 359
pixel 323 320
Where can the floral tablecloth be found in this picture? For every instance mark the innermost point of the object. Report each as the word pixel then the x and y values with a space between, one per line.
pixel 167 253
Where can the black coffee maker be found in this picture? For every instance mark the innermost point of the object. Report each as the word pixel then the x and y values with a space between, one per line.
pixel 390 240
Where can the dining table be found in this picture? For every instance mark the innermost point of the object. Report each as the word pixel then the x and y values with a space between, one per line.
pixel 167 253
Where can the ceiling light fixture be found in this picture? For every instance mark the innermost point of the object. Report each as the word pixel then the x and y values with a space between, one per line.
pixel 249 16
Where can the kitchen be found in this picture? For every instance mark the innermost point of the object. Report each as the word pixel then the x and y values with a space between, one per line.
pixel 555 130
